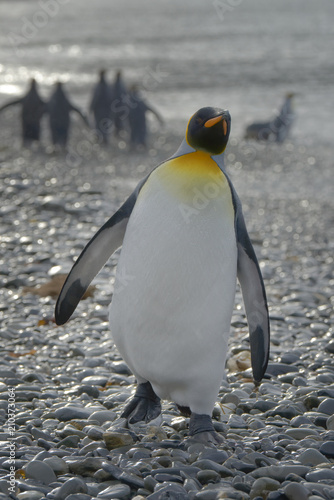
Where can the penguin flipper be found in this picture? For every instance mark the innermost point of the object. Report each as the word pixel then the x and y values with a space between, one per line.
pixel 254 295
pixel 93 257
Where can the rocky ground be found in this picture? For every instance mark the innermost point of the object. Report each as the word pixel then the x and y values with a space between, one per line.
pixel 65 386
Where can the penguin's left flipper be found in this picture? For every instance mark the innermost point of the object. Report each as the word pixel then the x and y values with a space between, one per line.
pixel 254 295
pixel 144 406
pixel 93 257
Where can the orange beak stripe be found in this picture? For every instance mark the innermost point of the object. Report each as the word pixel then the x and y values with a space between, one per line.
pixel 213 121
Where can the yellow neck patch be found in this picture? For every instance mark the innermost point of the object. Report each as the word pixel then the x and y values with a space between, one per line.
pixel 189 173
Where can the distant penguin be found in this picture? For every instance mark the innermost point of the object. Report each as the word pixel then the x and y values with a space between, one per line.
pixel 184 242
pixel 138 109
pixel 32 110
pixel 59 108
pixel 100 107
pixel 277 129
pixel 119 104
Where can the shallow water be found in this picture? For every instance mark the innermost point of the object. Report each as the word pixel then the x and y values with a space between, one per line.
pixel 237 54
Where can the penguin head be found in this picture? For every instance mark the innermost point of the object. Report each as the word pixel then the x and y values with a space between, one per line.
pixel 208 130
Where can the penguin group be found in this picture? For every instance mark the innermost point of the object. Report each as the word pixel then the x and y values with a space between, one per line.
pixel 171 320
pixel 113 108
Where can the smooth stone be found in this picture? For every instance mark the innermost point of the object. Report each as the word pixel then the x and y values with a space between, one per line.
pixel 327 449
pixel 208 476
pixel 296 491
pixel 69 442
pixel 125 477
pixel 289 357
pixel 327 406
pixel 262 486
pixel 79 496
pixel 30 495
pixel 85 466
pixel 57 464
pixel 237 422
pixel 280 472
pixel 264 405
pixel 103 416
pixel 40 471
pixel 300 420
pixel 117 491
pixel 311 402
pixel 71 413
pixel 312 457
pixel 330 346
pixel 169 490
pixel 91 390
pixel 284 410
pixel 72 485
pixel 276 495
pixel 98 380
pixel 320 475
pixel 116 439
pixel 205 464
pixel 301 432
pixel 218 456
pixel 330 423
pixel 276 369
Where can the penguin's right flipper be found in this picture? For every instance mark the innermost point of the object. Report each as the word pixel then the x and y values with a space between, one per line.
pixel 254 295
pixel 93 257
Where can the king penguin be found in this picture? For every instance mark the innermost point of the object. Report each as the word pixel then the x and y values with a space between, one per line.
pixel 184 243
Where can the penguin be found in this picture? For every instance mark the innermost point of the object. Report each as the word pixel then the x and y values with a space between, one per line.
pixel 138 109
pixel 59 108
pixel 119 104
pixel 100 107
pixel 184 243
pixel 32 109
pixel 277 129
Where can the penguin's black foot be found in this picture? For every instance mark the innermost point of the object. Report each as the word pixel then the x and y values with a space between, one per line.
pixel 144 406
pixel 201 430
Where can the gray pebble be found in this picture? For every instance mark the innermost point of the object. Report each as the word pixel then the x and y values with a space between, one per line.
pixel 72 485
pixel 327 406
pixel 296 491
pixel 30 495
pixel 280 472
pixel 40 471
pixel 312 457
pixel 172 491
pixel 327 449
pixel 72 412
pixel 320 475
pixel 262 486
pixel 103 416
pixel 117 491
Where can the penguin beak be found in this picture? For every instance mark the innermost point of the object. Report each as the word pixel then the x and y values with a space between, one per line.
pixel 212 121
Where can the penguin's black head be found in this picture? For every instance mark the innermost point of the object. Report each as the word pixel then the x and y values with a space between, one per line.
pixel 208 130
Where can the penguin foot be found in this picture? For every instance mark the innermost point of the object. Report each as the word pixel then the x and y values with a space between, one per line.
pixel 201 430
pixel 144 406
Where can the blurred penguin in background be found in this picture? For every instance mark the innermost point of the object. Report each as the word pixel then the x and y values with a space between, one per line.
pixel 59 109
pixel 100 108
pixel 137 118
pixel 277 129
pixel 119 106
pixel 32 110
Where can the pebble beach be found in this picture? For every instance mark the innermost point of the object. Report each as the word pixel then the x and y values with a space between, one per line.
pixel 62 389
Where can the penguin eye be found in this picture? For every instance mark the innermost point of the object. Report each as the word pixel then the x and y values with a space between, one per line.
pixel 199 120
